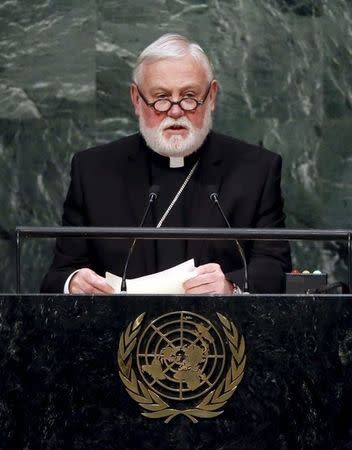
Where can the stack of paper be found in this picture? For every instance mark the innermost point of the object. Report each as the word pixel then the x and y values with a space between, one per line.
pixel 168 281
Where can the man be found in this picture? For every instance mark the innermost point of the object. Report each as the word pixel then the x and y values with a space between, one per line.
pixel 173 94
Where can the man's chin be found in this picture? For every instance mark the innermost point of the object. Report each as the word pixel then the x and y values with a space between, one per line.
pixel 170 133
pixel 175 149
pixel 176 146
pixel 171 146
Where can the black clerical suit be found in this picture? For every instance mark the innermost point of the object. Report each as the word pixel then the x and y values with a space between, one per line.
pixel 109 187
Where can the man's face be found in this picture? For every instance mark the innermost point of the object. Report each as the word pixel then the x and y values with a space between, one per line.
pixel 175 132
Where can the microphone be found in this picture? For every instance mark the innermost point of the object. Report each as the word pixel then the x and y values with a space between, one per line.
pixel 213 195
pixel 152 196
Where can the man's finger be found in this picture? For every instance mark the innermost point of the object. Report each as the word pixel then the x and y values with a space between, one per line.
pixel 99 283
pixel 199 290
pixel 82 287
pixel 208 268
pixel 88 282
pixel 198 280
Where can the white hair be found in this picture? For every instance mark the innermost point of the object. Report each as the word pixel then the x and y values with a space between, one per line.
pixel 171 46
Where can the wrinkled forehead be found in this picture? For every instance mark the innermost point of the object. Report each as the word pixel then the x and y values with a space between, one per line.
pixel 173 72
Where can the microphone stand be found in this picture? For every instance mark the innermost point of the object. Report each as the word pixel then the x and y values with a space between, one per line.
pixel 215 199
pixel 153 195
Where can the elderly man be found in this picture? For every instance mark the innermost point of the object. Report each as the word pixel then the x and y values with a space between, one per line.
pixel 173 94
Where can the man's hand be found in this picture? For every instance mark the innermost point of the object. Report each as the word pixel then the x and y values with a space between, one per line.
pixel 85 281
pixel 209 279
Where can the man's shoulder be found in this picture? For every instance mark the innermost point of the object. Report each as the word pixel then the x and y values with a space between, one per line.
pixel 233 148
pixel 121 148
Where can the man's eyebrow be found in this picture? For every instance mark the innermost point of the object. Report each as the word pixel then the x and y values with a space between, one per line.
pixel 158 89
pixel 191 88
pixel 188 87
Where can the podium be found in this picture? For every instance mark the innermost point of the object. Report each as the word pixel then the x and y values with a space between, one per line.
pixel 280 367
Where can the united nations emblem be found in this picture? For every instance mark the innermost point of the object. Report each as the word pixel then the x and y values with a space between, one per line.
pixel 180 358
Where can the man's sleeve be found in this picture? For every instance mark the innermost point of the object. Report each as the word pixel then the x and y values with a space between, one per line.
pixel 70 253
pixel 267 260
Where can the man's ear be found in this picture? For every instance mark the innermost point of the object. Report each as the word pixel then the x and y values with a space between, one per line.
pixel 213 93
pixel 135 98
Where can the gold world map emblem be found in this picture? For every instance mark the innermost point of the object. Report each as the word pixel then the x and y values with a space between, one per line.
pixel 180 355
pixel 181 358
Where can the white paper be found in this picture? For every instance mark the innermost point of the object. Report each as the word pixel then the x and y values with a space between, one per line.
pixel 168 281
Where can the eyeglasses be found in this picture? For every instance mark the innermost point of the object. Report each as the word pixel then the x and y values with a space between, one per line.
pixel 165 104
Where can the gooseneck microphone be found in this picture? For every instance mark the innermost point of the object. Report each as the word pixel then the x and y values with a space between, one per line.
pixel 152 196
pixel 213 195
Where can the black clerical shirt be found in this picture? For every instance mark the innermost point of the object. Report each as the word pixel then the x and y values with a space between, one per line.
pixel 170 180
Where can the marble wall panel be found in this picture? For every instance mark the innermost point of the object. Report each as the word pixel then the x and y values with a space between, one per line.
pixel 284 68
pixel 270 64
pixel 9 189
pixel 337 42
pixel 34 168
pixel 47 62
pixel 334 173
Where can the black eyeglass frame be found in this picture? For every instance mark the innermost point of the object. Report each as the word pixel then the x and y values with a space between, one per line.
pixel 197 102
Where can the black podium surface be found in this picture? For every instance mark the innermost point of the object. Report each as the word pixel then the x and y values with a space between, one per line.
pixel 61 389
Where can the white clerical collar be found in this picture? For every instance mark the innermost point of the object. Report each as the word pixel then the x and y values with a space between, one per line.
pixel 177 161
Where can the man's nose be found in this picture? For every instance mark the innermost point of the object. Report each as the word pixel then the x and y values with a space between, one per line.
pixel 175 111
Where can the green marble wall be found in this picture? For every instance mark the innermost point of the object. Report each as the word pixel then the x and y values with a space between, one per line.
pixel 285 71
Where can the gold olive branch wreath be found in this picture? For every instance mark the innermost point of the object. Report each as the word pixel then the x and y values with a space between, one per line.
pixel 152 403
